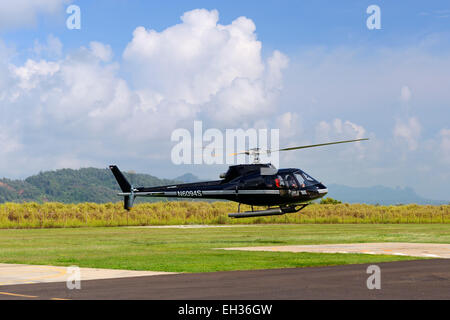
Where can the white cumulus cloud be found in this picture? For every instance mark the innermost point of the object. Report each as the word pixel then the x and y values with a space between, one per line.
pixel 408 132
pixel 210 67
pixel 101 51
pixel 79 107
pixel 52 48
pixel 338 129
pixel 289 124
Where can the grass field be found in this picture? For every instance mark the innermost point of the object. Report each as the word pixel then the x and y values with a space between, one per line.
pixel 194 250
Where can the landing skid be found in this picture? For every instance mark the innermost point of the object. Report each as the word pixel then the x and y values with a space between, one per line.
pixel 269 212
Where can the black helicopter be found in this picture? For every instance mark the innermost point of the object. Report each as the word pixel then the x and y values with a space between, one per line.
pixel 281 190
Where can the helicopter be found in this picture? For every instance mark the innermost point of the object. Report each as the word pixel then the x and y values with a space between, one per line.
pixel 258 184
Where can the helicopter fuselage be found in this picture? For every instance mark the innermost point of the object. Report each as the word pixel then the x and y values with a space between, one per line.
pixel 256 185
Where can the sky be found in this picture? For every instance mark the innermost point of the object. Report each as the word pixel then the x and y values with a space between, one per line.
pixel 115 90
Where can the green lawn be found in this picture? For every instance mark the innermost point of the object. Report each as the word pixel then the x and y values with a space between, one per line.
pixel 193 250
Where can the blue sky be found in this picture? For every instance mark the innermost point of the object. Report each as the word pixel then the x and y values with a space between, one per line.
pixel 319 75
pixel 285 25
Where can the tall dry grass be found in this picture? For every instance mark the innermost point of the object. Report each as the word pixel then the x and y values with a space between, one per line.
pixel 58 215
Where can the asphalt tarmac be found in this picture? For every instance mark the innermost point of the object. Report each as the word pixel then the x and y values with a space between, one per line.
pixel 419 279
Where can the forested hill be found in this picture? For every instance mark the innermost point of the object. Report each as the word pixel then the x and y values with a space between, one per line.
pixel 72 186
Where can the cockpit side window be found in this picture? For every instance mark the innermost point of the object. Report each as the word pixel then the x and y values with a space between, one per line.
pixel 275 181
pixel 290 181
pixel 304 178
pixel 282 182
pixel 300 180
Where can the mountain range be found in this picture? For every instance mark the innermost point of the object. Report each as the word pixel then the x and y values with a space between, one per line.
pixel 99 185
pixel 378 195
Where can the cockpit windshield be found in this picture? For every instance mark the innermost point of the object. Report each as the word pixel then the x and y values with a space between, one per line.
pixel 305 179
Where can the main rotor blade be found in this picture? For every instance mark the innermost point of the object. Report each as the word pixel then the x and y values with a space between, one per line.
pixel 248 152
pixel 238 153
pixel 319 145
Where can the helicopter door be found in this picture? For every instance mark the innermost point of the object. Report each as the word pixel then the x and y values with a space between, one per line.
pixel 291 185
pixel 291 182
